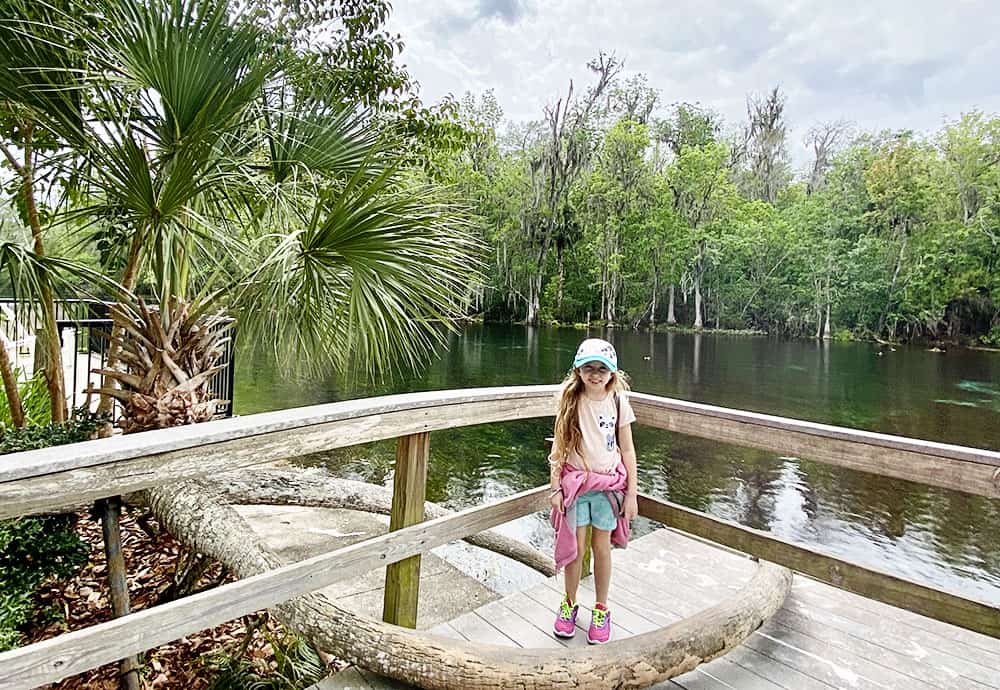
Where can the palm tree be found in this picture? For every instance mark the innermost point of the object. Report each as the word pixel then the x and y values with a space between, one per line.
pixel 216 184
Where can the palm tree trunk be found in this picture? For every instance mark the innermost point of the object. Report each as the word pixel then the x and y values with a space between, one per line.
pixel 114 346
pixel 671 316
pixel 53 354
pixel 10 385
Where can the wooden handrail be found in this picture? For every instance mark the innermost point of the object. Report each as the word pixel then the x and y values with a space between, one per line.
pixel 81 650
pixel 51 478
pixel 959 468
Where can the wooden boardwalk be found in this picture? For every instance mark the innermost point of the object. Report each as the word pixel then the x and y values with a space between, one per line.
pixel 822 638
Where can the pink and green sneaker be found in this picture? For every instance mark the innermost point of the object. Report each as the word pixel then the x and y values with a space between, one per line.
pixel 565 625
pixel 600 625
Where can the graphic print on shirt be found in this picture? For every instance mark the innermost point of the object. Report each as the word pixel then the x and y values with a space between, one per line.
pixel 607 425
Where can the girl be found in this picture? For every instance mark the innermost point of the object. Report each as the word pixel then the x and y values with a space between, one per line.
pixel 593 479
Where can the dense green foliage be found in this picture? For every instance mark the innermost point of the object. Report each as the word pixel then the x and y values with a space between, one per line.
pixel 668 218
pixel 33 550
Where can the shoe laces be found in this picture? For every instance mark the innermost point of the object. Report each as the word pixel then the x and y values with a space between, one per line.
pixel 599 616
pixel 565 610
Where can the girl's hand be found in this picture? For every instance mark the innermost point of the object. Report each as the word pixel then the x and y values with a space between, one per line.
pixel 631 507
pixel 556 501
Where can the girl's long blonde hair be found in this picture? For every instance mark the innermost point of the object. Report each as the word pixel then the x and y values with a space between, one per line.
pixel 568 436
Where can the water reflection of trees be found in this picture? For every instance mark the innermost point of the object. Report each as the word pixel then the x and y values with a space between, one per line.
pixel 953 528
pixel 732 482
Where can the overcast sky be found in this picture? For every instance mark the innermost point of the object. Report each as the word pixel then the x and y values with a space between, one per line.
pixel 881 64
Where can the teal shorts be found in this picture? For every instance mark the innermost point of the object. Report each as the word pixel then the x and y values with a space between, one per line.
pixel 594 508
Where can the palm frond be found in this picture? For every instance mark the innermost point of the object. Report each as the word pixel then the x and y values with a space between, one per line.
pixel 204 66
pixel 28 272
pixel 374 277
pixel 322 139
pixel 40 66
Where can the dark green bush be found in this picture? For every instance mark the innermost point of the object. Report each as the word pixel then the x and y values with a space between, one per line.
pixel 32 550
pixel 82 426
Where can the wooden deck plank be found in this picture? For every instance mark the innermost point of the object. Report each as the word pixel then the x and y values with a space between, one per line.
pixel 726 674
pixel 622 617
pixel 833 662
pixel 672 594
pixel 536 615
pixel 915 667
pixel 473 628
pixel 966 638
pixel 647 613
pixel 983 649
pixel 447 630
pixel 893 652
pixel 665 552
pixel 516 628
pixel 550 598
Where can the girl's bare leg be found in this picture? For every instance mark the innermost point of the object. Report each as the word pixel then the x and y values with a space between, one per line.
pixel 600 546
pixel 574 569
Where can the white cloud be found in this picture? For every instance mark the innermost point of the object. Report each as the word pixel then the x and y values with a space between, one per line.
pixel 887 64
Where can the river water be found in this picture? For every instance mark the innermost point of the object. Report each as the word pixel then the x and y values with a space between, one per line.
pixel 943 538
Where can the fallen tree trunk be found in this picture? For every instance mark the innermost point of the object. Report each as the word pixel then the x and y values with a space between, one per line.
pixel 315 488
pixel 201 520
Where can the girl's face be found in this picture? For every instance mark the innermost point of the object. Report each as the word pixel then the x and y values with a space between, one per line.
pixel 596 377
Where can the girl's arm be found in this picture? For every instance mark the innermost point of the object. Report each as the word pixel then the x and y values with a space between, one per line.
pixel 555 487
pixel 627 447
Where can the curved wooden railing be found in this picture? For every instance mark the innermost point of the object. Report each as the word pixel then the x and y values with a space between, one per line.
pixel 53 478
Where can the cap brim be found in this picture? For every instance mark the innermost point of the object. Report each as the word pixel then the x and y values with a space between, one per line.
pixel 580 361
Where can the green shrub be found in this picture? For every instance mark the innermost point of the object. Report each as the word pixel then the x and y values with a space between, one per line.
pixel 82 426
pixel 32 550
pixel 296 665
pixel 993 338
pixel 34 396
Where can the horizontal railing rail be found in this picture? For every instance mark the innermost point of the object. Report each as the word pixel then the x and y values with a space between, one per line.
pixel 969 470
pixel 52 478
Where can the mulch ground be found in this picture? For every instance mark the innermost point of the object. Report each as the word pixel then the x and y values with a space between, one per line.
pixel 150 563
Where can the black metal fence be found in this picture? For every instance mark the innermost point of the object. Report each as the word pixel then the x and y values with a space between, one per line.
pixel 86 325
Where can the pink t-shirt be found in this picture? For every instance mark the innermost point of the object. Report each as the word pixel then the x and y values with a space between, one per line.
pixel 598 422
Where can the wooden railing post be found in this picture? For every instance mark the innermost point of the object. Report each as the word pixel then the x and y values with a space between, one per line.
pixel 402 579
pixel 110 511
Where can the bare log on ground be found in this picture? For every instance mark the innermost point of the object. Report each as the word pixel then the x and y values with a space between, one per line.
pixel 203 522
pixel 315 488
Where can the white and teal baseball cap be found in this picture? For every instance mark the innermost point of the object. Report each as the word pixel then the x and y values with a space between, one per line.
pixel 596 350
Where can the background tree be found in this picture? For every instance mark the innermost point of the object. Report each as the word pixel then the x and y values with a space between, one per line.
pixel 765 152
pixel 565 151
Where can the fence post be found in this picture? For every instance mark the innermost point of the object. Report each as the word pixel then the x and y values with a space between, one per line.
pixel 109 510
pixel 402 579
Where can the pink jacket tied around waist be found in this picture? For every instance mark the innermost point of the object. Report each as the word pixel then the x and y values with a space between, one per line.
pixel 575 483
